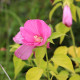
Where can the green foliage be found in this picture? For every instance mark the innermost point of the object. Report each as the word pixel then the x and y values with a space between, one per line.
pixel 63 75
pixel 75 77
pixel 34 73
pixel 18 65
pixel 61 50
pixel 56 1
pixel 39 54
pixel 64 61
pixel 14 47
pixel 78 12
pixel 60 27
pixel 53 10
pixel 55 35
pixel 77 59
pixel 73 11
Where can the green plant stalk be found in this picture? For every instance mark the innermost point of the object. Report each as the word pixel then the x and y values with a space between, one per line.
pixel 73 39
pixel 47 67
pixel 5 72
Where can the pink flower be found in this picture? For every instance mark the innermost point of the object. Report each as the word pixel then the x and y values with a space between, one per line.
pixel 34 33
pixel 67 16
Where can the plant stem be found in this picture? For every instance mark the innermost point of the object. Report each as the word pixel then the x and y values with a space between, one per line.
pixel 5 72
pixel 47 66
pixel 73 39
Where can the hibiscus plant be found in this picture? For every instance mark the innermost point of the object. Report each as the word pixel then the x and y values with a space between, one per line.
pixel 34 39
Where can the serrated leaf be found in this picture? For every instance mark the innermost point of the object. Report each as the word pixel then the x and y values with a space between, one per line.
pixel 75 77
pixel 18 65
pixel 34 73
pixel 56 1
pixel 39 54
pixel 61 50
pixel 63 60
pixel 63 75
pixel 53 10
pixel 55 35
pixel 60 27
pixel 73 11
pixel 78 11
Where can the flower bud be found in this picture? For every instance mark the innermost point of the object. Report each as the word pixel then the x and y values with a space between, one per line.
pixel 67 16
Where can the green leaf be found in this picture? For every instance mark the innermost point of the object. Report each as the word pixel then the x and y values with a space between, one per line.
pixel 43 64
pixel 51 27
pixel 78 12
pixel 75 77
pixel 63 75
pixel 53 10
pixel 18 65
pixel 60 27
pixel 39 54
pixel 34 73
pixel 56 1
pixel 63 60
pixel 55 35
pixel 73 11
pixel 61 50
pixel 68 2
pixel 77 59
pixel 77 70
pixel 53 68
pixel 14 47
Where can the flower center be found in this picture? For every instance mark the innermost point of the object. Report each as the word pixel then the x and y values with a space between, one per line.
pixel 38 39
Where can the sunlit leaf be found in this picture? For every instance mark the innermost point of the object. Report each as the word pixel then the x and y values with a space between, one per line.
pixel 64 61
pixel 60 27
pixel 75 77
pixel 78 12
pixel 63 75
pixel 55 35
pixel 73 11
pixel 34 73
pixel 53 68
pixel 61 50
pixel 18 65
pixel 43 64
pixel 77 59
pixel 39 54
pixel 71 51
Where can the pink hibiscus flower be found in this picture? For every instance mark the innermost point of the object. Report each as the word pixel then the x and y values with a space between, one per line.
pixel 34 33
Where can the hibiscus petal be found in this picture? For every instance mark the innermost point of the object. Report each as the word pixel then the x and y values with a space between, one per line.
pixel 31 26
pixel 24 52
pixel 44 30
pixel 48 45
pixel 29 37
pixel 18 38
pixel 38 27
